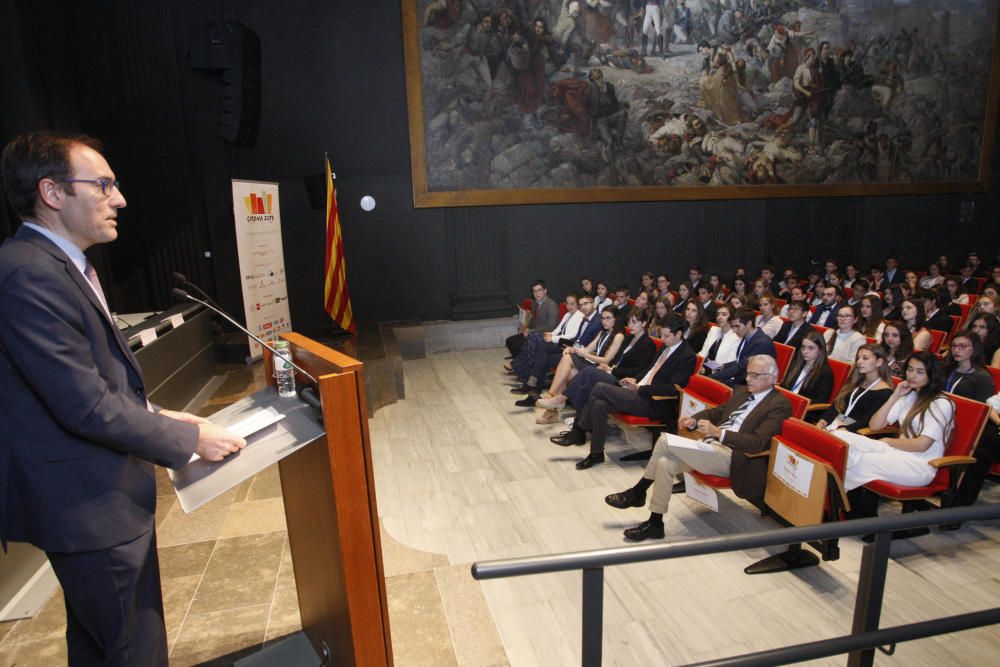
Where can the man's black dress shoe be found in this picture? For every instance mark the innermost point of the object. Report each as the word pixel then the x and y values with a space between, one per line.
pixel 527 402
pixel 627 498
pixel 571 437
pixel 590 461
pixel 679 487
pixel 645 531
pixel 522 389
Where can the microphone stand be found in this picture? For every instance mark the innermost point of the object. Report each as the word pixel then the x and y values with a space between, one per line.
pixel 307 394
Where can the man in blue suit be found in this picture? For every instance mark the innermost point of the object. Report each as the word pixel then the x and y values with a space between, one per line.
pixel 79 436
pixel 754 342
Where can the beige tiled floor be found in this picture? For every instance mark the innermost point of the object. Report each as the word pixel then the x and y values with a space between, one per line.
pixel 462 472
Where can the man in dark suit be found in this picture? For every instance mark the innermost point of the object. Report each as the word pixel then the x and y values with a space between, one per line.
pixel 825 314
pixel 893 275
pixel 544 316
pixel 795 329
pixel 76 477
pixel 673 366
pixel 934 315
pixel 879 283
pixel 741 426
pixel 754 342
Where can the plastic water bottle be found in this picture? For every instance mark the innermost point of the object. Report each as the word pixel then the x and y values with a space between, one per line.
pixel 283 371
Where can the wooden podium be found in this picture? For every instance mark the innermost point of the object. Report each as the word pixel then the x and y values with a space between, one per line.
pixel 333 531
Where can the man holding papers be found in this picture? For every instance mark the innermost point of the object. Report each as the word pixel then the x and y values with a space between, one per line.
pixel 729 432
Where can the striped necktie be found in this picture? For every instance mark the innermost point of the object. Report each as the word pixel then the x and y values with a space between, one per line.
pixel 95 283
pixel 738 412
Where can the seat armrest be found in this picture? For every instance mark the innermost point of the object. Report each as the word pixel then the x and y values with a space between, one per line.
pixel 758 455
pixel 664 398
pixel 947 461
pixel 814 407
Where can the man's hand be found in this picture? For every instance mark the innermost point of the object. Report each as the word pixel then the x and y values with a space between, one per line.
pixel 630 383
pixel 706 427
pixel 216 443
pixel 183 416
pixel 687 422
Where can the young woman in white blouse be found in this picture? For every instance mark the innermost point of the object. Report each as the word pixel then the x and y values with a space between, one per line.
pixel 925 416
pixel 722 343
pixel 843 342
pixel 768 321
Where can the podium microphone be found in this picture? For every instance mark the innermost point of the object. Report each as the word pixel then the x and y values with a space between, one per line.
pixel 307 394
pixel 181 281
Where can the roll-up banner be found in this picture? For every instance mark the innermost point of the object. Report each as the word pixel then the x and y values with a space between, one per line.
pixel 262 262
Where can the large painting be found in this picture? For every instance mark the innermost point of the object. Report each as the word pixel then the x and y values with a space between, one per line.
pixel 539 101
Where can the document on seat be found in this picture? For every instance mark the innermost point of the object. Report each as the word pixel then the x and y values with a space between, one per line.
pixel 274 427
pixel 794 470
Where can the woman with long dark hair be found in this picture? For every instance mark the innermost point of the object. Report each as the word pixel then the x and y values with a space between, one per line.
pixel 684 292
pixel 696 321
pixel 897 343
pixel 810 375
pixel 865 391
pixel 925 416
pixel 871 323
pixel 965 368
pixel 912 314
pixel 892 303
pixel 987 327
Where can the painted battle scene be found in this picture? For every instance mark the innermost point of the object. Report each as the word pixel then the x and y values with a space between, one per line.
pixel 603 93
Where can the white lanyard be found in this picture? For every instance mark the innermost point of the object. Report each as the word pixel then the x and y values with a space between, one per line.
pixel 801 380
pixel 854 399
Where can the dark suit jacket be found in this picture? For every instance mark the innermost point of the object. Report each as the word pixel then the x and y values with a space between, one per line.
pixel 940 322
pixel 897 277
pixel 749 476
pixel 676 370
pixel 735 372
pixel 77 436
pixel 796 340
pixel 592 331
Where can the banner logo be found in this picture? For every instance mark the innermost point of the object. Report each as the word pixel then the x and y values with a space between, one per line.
pixel 259 207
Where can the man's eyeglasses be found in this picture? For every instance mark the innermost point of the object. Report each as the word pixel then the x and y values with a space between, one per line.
pixel 106 185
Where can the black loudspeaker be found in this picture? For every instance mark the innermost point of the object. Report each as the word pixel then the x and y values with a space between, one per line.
pixel 233 49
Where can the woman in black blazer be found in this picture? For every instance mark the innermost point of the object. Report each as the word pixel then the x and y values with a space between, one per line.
pixel 810 375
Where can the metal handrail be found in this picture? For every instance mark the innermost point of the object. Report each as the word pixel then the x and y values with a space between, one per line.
pixel 860 643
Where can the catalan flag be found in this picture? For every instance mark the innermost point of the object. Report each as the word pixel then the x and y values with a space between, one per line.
pixel 336 298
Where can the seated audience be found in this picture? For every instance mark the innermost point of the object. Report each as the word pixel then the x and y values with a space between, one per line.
pixel 809 375
pixel 721 343
pixel 985 305
pixel 660 310
pixel 739 288
pixel 968 281
pixel 865 391
pixel 843 342
pixel 544 317
pixel 878 282
pixel 684 294
pixel 752 343
pixel 601 298
pixel 790 284
pixel 987 327
pixel 859 288
pixel 965 368
pixel 871 323
pixel 796 293
pixel 925 416
pixel 549 352
pixel 910 278
pixel 912 314
pixel 953 290
pixel 934 315
pixel 622 304
pixel 706 297
pixel 718 292
pixel 892 303
pixel 768 321
pixel 672 369
pixel 825 314
pixel 586 286
pixel 634 357
pixel 663 287
pixel 933 279
pixel 647 282
pixel 742 425
pixel 568 326
pixel 694 278
pixel 695 324
pixel 794 330
pixel 598 353
pixel 851 274
pixel 898 346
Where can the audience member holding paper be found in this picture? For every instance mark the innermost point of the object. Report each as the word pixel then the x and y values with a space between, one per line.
pixel 730 432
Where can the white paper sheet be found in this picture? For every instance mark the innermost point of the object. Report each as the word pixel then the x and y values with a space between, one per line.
pixel 255 422
pixel 687 443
